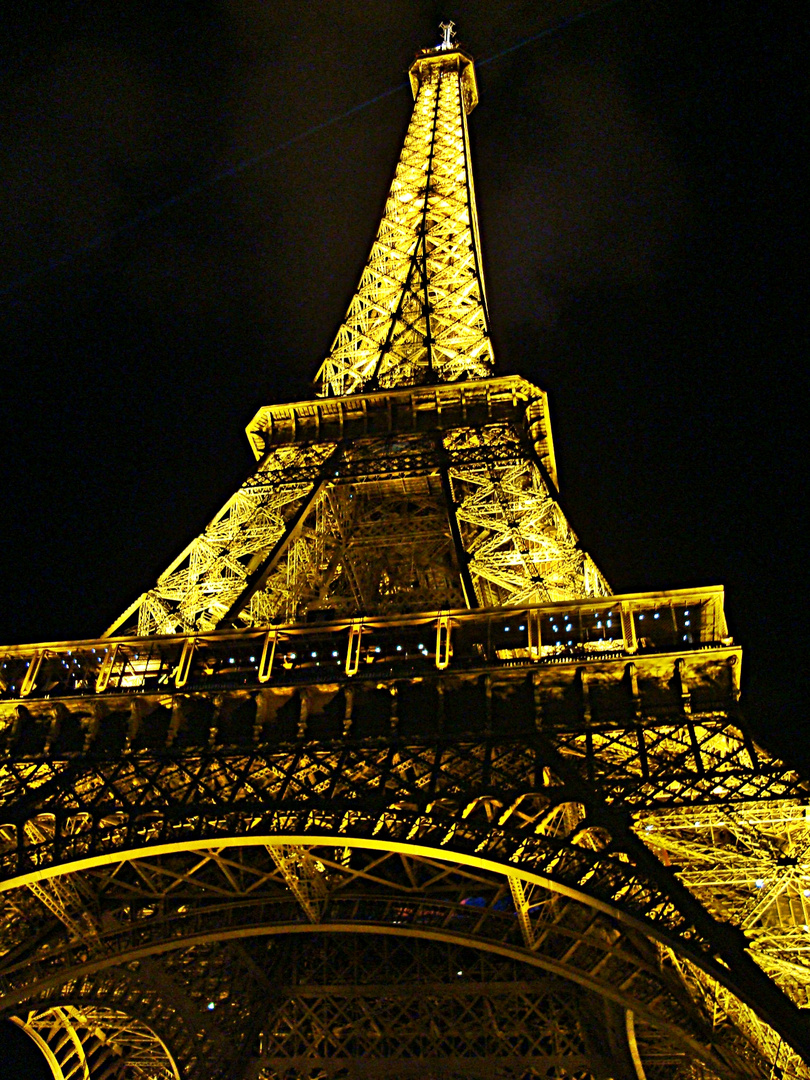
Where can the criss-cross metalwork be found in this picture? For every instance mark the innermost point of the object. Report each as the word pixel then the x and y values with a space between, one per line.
pixel 419 312
pixel 79 1043
pixel 379 779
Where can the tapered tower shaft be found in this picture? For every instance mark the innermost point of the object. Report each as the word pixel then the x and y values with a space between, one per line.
pixel 418 479
pixel 419 313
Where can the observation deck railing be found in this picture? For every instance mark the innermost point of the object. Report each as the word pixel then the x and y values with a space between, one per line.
pixel 402 646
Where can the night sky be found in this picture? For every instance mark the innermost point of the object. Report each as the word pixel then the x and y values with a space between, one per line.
pixel 186 209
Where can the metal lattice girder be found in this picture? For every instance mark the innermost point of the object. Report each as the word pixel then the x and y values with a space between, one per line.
pixel 750 864
pixel 481 797
pixel 96 1043
pixel 349 1001
pixel 388 523
pixel 144 993
pixel 404 1008
pixel 519 545
pixel 432 408
pixel 369 545
pixel 418 1004
pixel 203 1003
pixel 506 803
pixel 304 877
pixel 419 312
pixel 614 657
pixel 60 896
pixel 407 894
pixel 206 580
pixel 727 1009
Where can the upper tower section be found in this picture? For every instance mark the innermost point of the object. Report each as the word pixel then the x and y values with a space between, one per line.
pixel 419 314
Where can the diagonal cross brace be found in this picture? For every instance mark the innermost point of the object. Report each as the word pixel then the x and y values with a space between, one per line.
pixel 736 969
pixel 302 878
pixel 258 577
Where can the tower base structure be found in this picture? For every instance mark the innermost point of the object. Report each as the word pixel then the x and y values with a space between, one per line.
pixel 499 841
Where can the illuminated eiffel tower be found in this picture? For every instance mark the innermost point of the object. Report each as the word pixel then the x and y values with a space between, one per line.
pixel 379 779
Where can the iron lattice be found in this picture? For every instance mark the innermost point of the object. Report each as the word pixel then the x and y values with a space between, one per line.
pixel 379 779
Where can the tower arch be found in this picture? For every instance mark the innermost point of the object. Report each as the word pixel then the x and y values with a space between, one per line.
pixel 384 715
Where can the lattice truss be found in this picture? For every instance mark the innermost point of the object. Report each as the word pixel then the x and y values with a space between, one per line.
pixel 388 1008
pixel 419 313
pixel 503 979
pixel 749 865
pixel 376 540
pixel 520 547
pixel 113 1020
pixel 366 528
pixel 214 571
pixel 710 805
pixel 93 1042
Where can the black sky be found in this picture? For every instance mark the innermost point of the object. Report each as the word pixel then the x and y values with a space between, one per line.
pixel 639 179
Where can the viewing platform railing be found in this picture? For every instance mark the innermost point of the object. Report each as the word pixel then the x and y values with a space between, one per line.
pixel 401 646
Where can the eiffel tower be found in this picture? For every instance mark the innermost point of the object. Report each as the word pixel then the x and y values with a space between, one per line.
pixel 379 778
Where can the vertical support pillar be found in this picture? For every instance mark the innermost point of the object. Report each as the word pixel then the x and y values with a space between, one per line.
pixel 184 667
pixel 470 596
pixel 522 909
pixel 30 680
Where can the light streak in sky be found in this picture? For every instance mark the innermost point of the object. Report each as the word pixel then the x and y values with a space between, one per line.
pixel 240 166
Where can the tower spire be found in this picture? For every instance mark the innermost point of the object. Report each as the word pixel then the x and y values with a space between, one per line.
pixel 419 313
pixel 417 479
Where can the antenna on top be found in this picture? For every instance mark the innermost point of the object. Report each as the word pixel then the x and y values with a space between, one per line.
pixel 448 35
